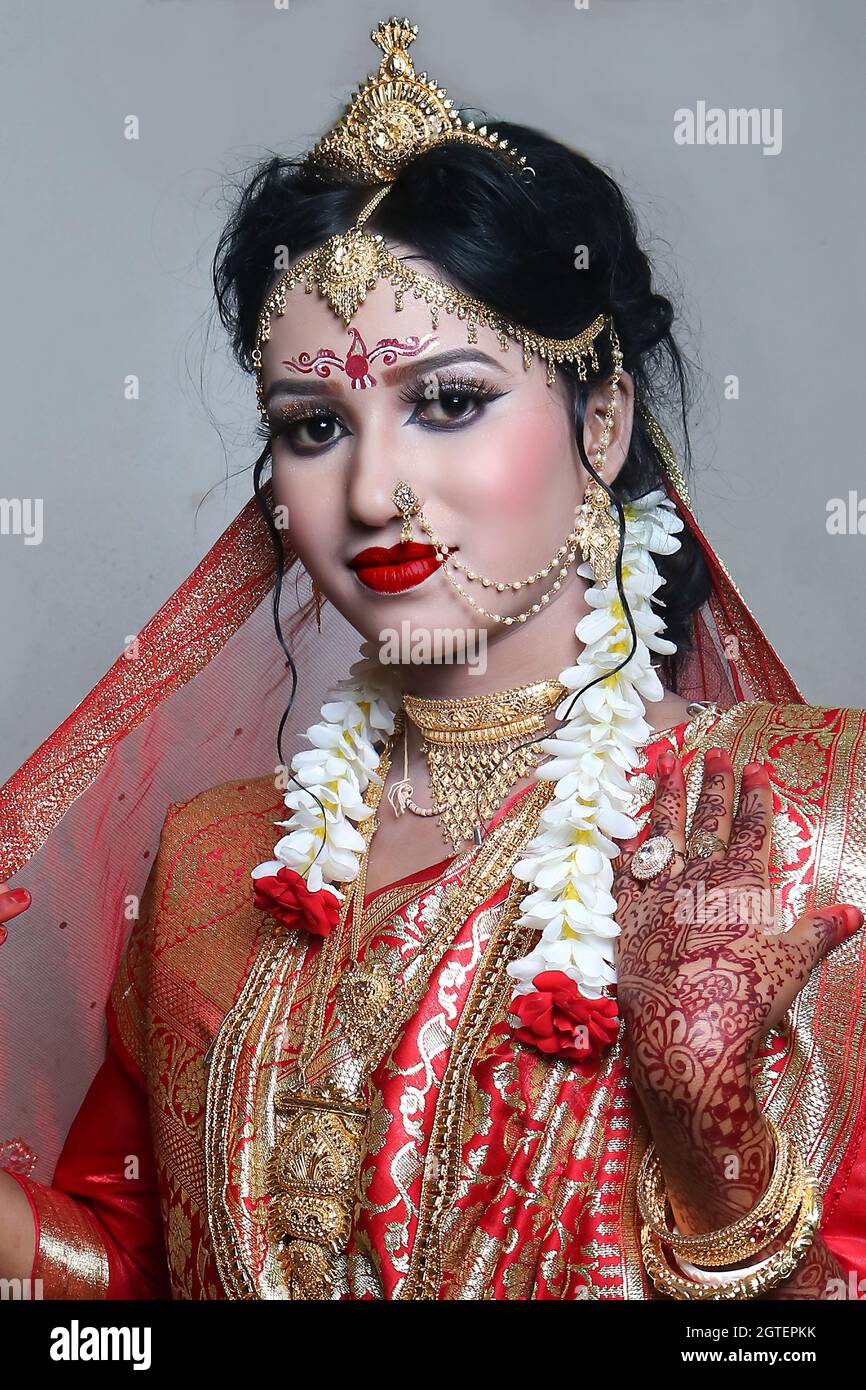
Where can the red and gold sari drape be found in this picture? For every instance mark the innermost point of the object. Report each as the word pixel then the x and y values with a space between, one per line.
pixel 490 1170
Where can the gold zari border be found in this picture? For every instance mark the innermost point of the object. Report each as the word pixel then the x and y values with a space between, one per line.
pixel 71 1259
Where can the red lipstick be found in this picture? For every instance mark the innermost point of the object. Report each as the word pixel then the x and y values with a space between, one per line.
pixel 396 568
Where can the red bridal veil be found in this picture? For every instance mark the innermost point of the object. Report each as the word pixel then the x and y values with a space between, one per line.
pixel 197 701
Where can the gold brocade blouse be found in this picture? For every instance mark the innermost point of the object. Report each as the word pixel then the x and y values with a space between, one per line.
pixel 488 1170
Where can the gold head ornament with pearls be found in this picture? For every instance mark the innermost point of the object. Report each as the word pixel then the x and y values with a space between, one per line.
pixel 394 116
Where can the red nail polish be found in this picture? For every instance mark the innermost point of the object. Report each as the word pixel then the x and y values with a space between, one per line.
pixel 3 935
pixel 20 895
pixel 853 917
pixel 714 756
pixel 666 764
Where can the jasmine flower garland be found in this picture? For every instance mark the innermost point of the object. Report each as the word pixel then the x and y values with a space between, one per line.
pixel 568 863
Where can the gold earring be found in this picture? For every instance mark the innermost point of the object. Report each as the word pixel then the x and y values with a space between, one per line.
pixel 317 598
pixel 598 531
pixel 406 501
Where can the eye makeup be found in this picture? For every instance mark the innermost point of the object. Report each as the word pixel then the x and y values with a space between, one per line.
pixel 424 392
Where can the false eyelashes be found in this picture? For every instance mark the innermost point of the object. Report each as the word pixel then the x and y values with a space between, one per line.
pixel 292 417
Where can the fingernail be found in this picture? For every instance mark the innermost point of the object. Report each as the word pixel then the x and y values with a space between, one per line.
pixel 754 772
pixel 666 764
pixel 20 895
pixel 714 757
pixel 3 935
pixel 853 916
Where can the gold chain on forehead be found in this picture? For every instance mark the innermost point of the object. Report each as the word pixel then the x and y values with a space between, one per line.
pixel 394 116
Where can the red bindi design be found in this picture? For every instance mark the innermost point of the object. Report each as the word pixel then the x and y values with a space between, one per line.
pixel 356 363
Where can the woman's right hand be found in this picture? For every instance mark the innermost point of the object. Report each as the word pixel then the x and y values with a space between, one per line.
pixel 12 901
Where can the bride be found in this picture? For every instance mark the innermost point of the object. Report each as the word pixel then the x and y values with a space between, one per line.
pixel 530 976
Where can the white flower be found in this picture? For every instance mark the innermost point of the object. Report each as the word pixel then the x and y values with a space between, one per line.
pixel 330 778
pixel 568 862
pixel 567 866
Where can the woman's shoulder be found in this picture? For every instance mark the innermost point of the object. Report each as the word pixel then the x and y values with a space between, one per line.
pixel 760 730
pixel 198 893
pixel 211 841
pixel 201 876
pixel 237 800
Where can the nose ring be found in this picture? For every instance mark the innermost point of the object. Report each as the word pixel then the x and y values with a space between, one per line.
pixel 406 501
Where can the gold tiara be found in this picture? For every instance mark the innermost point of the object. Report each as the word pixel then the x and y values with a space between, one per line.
pixel 393 117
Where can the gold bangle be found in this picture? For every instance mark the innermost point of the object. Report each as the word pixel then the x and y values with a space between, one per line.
pixel 761 1226
pixel 743 1238
pixel 778 1267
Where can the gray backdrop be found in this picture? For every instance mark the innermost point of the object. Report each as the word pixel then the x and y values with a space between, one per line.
pixel 105 273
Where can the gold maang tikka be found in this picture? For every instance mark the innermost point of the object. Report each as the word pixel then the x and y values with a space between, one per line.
pixel 394 116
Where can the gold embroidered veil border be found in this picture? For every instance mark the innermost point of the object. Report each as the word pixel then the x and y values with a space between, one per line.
pixel 197 698
pixel 199 703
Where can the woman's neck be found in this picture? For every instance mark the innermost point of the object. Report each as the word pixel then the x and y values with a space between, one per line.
pixel 536 650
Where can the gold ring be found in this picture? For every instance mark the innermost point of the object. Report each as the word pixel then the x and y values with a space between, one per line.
pixel 653 857
pixel 703 843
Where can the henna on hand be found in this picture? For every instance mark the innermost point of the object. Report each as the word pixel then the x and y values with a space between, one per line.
pixel 818 1276
pixel 701 978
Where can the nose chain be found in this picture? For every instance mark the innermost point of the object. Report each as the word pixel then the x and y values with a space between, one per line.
pixel 585 520
pixel 407 503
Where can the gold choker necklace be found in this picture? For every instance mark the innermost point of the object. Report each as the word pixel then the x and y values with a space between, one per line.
pixel 473 753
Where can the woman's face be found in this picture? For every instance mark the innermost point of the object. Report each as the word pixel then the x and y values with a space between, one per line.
pixel 486 444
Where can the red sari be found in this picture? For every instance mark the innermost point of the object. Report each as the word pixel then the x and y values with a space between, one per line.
pixel 490 1170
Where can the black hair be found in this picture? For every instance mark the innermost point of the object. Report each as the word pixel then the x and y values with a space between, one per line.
pixel 551 248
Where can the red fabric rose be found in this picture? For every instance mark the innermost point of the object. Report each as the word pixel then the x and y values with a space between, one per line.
pixel 287 898
pixel 556 1018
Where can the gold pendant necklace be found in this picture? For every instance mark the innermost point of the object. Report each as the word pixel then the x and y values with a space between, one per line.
pixel 400 795
pixel 315 1164
pixel 475 750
